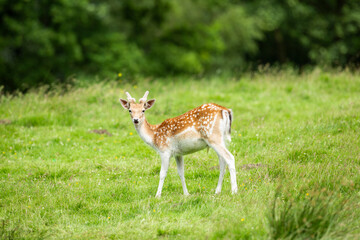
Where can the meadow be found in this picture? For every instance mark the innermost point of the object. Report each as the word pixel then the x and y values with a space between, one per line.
pixel 73 167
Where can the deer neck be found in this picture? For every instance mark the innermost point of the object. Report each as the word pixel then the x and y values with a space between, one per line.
pixel 146 132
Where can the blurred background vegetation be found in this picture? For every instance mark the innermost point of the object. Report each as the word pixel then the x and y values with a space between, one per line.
pixel 48 41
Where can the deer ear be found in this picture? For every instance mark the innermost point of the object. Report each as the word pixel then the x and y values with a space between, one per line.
pixel 149 103
pixel 125 103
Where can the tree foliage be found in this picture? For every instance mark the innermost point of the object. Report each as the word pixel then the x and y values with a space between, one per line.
pixel 43 41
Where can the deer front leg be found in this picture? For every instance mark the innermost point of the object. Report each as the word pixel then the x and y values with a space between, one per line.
pixel 180 168
pixel 165 160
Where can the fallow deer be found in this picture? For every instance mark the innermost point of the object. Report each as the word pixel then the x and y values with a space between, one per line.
pixel 206 126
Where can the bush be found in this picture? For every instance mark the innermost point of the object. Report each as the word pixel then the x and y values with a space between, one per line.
pixel 49 41
pixel 45 41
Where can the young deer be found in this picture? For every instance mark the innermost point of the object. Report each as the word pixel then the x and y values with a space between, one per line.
pixel 206 126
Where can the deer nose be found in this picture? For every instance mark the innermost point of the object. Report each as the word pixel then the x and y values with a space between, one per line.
pixel 136 120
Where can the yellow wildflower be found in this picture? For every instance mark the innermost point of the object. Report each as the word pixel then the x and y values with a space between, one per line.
pixel 131 133
pixel 242 219
pixel 119 74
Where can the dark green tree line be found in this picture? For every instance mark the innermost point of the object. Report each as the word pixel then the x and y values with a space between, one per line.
pixel 45 41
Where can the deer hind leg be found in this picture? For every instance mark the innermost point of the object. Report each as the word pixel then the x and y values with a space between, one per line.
pixel 165 161
pixel 222 164
pixel 225 155
pixel 180 168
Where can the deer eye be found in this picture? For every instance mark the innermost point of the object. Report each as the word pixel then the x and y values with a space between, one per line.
pixel 129 111
pixel 143 111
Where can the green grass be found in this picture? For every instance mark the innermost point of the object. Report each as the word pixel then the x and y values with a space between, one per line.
pixel 59 180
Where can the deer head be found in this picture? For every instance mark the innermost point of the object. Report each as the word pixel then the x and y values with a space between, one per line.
pixel 137 110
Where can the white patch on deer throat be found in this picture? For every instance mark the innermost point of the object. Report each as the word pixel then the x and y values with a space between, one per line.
pixel 144 134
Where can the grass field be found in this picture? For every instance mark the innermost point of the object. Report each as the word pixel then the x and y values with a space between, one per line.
pixel 295 138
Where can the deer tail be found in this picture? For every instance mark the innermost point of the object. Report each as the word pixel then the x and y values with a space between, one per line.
pixel 228 118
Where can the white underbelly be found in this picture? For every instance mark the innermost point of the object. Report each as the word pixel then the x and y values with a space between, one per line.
pixel 186 146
